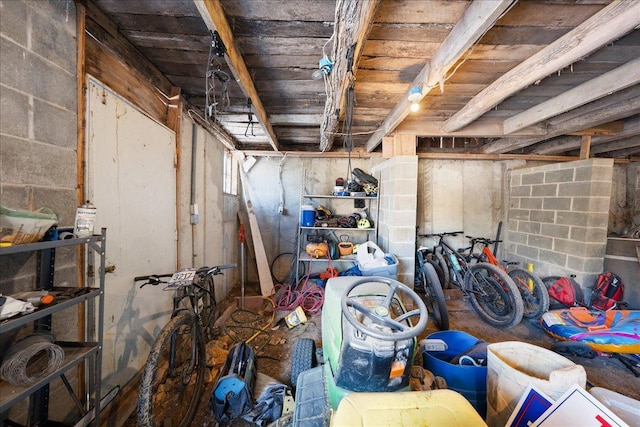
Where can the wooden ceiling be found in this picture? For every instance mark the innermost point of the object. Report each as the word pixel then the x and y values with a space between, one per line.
pixel 532 77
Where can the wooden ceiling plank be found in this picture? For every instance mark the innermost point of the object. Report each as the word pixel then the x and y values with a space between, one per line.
pixel 607 110
pixel 621 144
pixel 475 21
pixel 624 152
pixel 558 145
pixel 620 78
pixel 611 23
pixel 352 25
pixel 561 145
pixel 214 17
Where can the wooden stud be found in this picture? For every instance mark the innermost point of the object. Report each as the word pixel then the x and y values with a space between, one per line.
pixel 585 147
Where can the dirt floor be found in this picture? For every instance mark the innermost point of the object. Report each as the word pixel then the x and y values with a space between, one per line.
pixel 274 347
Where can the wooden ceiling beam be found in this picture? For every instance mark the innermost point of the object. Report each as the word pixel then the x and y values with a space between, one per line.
pixel 213 15
pixel 561 145
pixel 353 22
pixel 613 107
pixel 620 78
pixel 609 129
pixel 621 144
pixel 482 128
pixel 479 17
pixel 609 24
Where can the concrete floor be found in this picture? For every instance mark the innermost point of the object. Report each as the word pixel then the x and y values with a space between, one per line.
pixel 274 358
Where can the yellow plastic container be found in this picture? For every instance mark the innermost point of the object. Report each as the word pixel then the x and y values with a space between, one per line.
pixel 410 408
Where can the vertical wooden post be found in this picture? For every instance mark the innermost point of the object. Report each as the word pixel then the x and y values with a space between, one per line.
pixel 399 145
pixel 585 147
pixel 173 122
pixel 81 88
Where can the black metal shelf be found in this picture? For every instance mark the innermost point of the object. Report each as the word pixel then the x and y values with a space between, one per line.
pixel 74 353
pixel 82 294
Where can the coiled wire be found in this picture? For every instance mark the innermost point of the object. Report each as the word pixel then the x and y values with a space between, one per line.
pixel 34 357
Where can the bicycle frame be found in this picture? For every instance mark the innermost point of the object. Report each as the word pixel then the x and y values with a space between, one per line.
pixel 192 299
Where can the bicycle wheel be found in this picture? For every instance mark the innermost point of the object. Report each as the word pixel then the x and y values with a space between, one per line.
pixel 173 377
pixel 535 297
pixel 446 277
pixel 494 296
pixel 434 297
pixel 208 312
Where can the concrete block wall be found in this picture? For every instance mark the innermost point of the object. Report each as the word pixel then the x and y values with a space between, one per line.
pixel 38 111
pixel 558 217
pixel 38 121
pixel 398 207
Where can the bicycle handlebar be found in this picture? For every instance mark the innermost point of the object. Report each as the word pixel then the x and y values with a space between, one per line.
pixel 482 240
pixel 155 279
pixel 446 233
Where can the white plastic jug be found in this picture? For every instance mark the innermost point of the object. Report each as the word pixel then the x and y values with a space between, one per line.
pixel 513 365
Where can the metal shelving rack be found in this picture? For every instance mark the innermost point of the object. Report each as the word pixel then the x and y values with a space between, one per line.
pixel 89 351
pixel 372 205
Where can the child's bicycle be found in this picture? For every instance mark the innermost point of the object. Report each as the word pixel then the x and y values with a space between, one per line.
pixel 534 293
pixel 173 376
pixel 492 293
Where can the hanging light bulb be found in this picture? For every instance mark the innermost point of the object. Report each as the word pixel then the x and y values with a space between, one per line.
pixel 415 95
pixel 324 68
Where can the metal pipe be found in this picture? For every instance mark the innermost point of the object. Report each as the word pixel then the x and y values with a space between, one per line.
pixel 192 201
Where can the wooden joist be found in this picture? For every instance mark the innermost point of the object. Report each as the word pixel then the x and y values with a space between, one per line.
pixel 483 127
pixel 560 145
pixel 620 78
pixel 352 24
pixel 609 24
pixel 214 17
pixel 613 107
pixel 476 20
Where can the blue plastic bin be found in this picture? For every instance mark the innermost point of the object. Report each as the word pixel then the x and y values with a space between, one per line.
pixel 390 270
pixel 468 380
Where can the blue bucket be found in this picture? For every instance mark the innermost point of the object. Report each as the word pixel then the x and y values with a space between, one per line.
pixel 307 215
pixel 468 380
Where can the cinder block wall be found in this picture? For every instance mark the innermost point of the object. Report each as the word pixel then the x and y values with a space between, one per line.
pixel 558 217
pixel 398 207
pixel 38 144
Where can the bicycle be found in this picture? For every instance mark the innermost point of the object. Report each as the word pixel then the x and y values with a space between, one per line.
pixel 492 293
pixel 429 283
pixel 535 296
pixel 173 377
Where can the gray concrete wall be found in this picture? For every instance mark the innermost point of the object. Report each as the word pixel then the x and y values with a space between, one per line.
pixel 38 140
pixel 558 217
pixel 214 239
pixel 265 186
pixel 455 195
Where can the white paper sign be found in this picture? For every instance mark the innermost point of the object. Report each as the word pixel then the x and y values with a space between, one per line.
pixel 576 407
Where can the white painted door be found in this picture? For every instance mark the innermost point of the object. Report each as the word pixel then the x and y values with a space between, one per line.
pixel 131 179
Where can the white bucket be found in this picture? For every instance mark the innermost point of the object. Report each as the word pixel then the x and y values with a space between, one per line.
pixel 512 365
